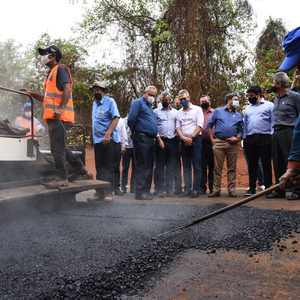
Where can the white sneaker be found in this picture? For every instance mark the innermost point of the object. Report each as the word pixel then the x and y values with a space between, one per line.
pixel 261 188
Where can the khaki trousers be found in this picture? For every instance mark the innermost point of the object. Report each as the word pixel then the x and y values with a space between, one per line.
pixel 221 149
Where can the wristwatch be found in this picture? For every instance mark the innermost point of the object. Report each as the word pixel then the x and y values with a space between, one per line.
pixel 191 136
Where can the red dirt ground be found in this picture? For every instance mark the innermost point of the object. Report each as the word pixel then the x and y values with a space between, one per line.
pixel 242 170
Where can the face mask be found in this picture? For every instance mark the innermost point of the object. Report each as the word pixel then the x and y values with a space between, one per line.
pixel 235 103
pixel 98 96
pixel 27 114
pixel 150 99
pixel 185 102
pixel 273 89
pixel 178 106
pixel 205 105
pixel 243 112
pixel 165 104
pixel 45 59
pixel 252 100
pixel 159 105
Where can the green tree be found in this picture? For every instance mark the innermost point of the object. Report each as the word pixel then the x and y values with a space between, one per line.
pixel 269 53
pixel 196 44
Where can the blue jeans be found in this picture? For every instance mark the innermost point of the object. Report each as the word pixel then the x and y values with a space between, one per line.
pixel 192 155
pixel 165 158
pixel 260 172
pixel 126 163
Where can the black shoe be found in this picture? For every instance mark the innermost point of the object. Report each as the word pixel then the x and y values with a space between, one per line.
pixel 294 197
pixel 194 194
pixel 185 194
pixel 150 195
pixel 154 193
pixel 178 191
pixel 132 191
pixel 202 192
pixel 118 192
pixel 143 197
pixel 249 192
pixel 276 194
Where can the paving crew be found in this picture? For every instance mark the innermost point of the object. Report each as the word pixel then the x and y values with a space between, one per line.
pixel 257 131
pixel 58 114
pixel 229 129
pixel 292 50
pixel 25 121
pixel 166 146
pixel 105 118
pixel 189 126
pixel 293 167
pixel 143 126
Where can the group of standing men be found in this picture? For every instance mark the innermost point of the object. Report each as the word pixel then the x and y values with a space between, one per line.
pixel 200 135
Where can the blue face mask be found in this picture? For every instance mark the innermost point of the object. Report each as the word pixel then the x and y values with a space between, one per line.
pixel 185 102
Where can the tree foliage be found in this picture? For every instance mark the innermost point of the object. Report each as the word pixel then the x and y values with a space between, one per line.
pixel 197 45
pixel 269 53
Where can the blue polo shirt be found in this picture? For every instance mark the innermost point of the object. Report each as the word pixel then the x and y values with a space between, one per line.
pixel 142 117
pixel 228 123
pixel 103 114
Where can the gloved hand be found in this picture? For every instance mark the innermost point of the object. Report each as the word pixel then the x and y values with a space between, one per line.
pixel 39 128
pixel 287 180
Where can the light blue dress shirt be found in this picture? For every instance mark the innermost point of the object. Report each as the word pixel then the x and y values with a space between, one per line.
pixel 259 119
pixel 103 114
pixel 166 122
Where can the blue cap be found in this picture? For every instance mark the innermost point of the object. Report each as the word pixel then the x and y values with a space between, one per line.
pixel 291 47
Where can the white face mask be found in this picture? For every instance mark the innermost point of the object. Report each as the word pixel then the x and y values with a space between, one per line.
pixel 45 59
pixel 235 103
pixel 150 99
pixel 27 114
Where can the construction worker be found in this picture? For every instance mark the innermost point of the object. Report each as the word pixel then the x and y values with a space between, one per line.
pixel 59 115
pixel 25 121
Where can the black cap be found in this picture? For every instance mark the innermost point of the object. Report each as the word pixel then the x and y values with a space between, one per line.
pixel 51 49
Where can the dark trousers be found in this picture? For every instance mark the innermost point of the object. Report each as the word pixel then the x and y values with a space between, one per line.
pixel 59 150
pixel 259 145
pixel 192 156
pixel 144 157
pixel 117 161
pixel 126 163
pixel 207 164
pixel 281 146
pixel 165 158
pixel 177 172
pixel 104 160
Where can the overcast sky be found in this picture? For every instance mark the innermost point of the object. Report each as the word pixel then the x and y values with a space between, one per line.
pixel 25 20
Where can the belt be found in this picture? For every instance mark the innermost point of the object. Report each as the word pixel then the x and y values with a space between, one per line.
pixel 282 127
pixel 221 138
pixel 146 134
pixel 255 135
pixel 166 139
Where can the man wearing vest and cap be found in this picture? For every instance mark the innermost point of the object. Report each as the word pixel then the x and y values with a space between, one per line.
pixel 58 114
pixel 25 121
pixel 286 111
pixel 105 118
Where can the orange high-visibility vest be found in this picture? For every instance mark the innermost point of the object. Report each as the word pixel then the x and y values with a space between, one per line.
pixel 53 96
pixel 22 122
